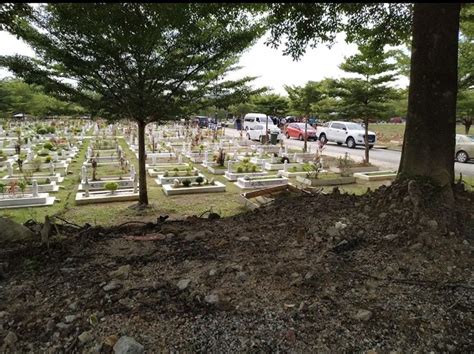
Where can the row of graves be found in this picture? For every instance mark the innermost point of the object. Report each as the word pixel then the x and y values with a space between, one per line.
pixel 34 161
pixel 106 174
pixel 174 151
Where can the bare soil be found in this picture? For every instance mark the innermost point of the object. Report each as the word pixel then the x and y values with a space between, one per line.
pixel 389 271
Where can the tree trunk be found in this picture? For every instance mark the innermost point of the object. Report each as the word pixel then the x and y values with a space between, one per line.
pixel 305 147
pixel 429 141
pixel 467 125
pixel 143 194
pixel 366 140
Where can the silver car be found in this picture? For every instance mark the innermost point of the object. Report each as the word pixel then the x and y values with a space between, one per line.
pixel 464 147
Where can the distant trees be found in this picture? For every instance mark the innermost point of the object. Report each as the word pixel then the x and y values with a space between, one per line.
pixel 17 96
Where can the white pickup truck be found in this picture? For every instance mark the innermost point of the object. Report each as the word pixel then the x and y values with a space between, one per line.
pixel 348 133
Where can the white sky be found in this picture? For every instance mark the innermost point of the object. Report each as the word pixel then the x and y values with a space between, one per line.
pixel 272 68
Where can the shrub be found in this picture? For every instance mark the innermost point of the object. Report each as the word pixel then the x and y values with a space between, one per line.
pixel 111 186
pixel 43 152
pixel 42 131
pixel 48 159
pixel 186 182
pixel 51 129
pixel 199 180
pixel 239 169
pixel 254 168
pixel 294 169
pixel 22 185
pixel 36 164
pixel 48 146
pixel 166 174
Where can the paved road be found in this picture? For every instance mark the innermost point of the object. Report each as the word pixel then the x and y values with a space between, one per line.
pixel 384 158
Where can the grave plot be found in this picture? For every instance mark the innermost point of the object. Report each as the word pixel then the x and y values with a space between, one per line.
pixel 301 169
pixel 260 182
pixel 160 169
pixel 280 163
pixel 236 169
pixel 107 196
pixel 324 179
pixel 17 194
pixel 346 165
pixel 388 175
pixel 201 185
pixel 177 174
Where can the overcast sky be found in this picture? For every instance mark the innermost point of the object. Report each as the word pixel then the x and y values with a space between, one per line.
pixel 273 69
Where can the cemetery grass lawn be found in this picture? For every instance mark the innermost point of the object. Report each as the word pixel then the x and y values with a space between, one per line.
pixel 387 132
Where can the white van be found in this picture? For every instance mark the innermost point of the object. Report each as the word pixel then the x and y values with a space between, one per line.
pixel 253 119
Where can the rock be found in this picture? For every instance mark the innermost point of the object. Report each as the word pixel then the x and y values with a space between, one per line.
pixel 416 246
pixel 121 273
pixel 73 306
pixel 340 226
pixel 128 345
pixel 70 318
pixel 332 231
pixel 50 325
pixel 85 337
pixel 212 298
pixel 113 285
pixel 243 239
pixel 367 209
pixel 170 235
pixel 363 315
pixel 3 314
pixel 10 339
pixel 432 224
pixel 390 237
pixel 183 284
pixel 242 276
pixel 382 215
pixel 12 231
pixel 110 340
pixel 212 272
pixel 62 325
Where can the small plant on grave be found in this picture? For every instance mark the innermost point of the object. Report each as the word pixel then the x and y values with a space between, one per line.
pixel 293 169
pixel 111 186
pixel 345 163
pixel 13 187
pixel 254 168
pixel 48 146
pixel 240 169
pixel 314 170
pixel 166 174
pixel 199 180
pixel 196 172
pixel 212 182
pixel 201 149
pixel 48 159
pixel 176 169
pixel 283 159
pixel 186 182
pixel 3 157
pixel 2 189
pixel 221 158
pixel 27 176
pixel 22 186
pixel 94 169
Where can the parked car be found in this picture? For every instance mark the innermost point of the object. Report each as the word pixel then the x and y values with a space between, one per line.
pixel 352 134
pixel 297 130
pixel 257 132
pixel 464 147
pixel 201 121
pixel 252 119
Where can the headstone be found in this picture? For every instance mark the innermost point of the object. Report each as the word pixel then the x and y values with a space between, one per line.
pixel 294 157
pixel 132 172
pixel 89 152
pixel 9 169
pixel 153 159
pixel 51 168
pixel 280 152
pixel 285 166
pixel 86 188
pixel 205 157
pixel 286 149
pixel 135 183
pixel 35 188
pixel 229 166
pixel 83 173
pixel 29 157
pixel 180 158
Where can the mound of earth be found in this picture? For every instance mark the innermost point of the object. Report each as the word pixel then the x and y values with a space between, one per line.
pixel 388 271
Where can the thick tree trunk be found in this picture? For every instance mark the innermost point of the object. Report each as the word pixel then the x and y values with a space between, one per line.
pixel 143 198
pixel 428 146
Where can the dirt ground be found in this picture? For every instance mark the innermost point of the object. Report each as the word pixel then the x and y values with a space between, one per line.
pixel 388 271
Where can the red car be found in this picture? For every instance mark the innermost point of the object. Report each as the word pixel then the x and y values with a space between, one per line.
pixel 296 130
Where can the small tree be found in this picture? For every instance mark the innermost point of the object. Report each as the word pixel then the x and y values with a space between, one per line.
pixel 111 186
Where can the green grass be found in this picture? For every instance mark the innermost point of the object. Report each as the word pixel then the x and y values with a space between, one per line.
pixel 388 132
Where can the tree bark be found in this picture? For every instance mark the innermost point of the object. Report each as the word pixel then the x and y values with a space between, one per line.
pixel 429 141
pixel 143 193
pixel 366 140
